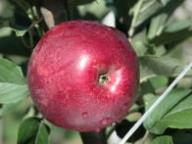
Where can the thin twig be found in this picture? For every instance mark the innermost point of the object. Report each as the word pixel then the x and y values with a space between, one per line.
pixel 155 104
pixel 33 24
pixel 135 16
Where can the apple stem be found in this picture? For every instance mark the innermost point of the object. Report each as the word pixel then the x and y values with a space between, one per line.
pixel 93 137
pixel 103 79
pixel 155 104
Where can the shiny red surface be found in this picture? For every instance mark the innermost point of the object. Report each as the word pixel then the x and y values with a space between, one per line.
pixel 65 69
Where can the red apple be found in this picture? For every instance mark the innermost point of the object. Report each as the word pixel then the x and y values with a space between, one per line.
pixel 83 75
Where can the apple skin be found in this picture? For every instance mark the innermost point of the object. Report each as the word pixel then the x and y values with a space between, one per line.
pixel 83 75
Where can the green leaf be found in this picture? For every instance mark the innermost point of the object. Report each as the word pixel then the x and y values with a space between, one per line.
pixel 151 66
pixel 179 25
pixel 134 116
pixel 13 87
pixel 6 31
pixel 91 10
pixel 7 10
pixel 163 140
pixel 159 51
pixel 146 11
pixel 139 43
pixel 154 7
pixel 163 108
pixel 28 130
pixel 10 72
pixel 175 33
pixel 159 82
pixel 157 25
pixel 12 93
pixel 179 117
pixel 1 111
pixel 149 99
pixel 164 2
pixel 21 109
pixel 33 131
pixel 172 38
pixel 146 88
pixel 178 52
pixel 43 134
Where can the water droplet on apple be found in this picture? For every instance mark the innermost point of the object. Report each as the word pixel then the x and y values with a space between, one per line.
pixel 85 114
pixel 106 121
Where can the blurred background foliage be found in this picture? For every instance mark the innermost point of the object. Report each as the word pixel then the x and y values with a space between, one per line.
pixel 161 34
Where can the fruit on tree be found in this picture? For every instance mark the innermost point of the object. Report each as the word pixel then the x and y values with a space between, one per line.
pixel 83 75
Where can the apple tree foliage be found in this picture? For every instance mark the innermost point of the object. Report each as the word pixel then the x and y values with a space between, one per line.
pixel 161 37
